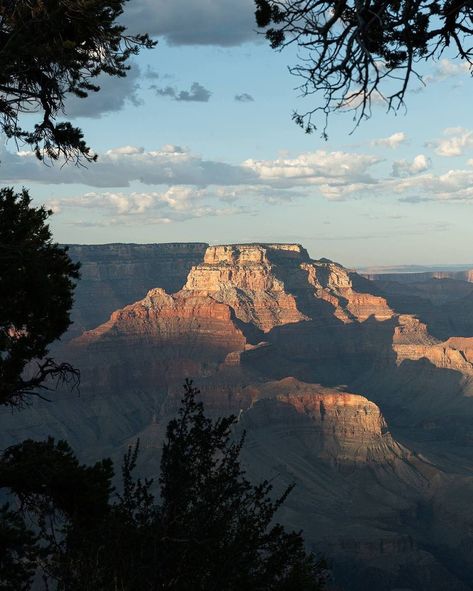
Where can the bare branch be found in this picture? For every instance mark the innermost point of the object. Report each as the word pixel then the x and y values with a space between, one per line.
pixel 362 51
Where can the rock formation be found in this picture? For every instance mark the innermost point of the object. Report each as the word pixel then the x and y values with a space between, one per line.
pixel 341 384
pixel 420 277
pixel 266 310
pixel 114 275
pixel 444 301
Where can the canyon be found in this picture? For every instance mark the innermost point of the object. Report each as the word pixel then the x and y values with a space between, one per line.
pixel 358 389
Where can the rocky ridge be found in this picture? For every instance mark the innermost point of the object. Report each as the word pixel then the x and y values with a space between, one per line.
pixel 114 275
pixel 267 308
pixel 311 357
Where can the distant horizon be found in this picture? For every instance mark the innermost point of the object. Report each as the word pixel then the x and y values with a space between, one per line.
pixel 373 268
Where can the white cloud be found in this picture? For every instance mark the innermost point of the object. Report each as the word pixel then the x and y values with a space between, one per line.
pixel 454 185
pixel 314 168
pixel 455 141
pixel 179 185
pixel 446 68
pixel 177 203
pixel 119 167
pixel 393 141
pixel 403 168
pixel 125 151
pixel 173 165
pixel 340 192
pixel 354 99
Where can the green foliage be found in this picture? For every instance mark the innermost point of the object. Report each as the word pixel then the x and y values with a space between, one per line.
pixel 210 529
pixel 50 48
pixel 353 53
pixel 37 279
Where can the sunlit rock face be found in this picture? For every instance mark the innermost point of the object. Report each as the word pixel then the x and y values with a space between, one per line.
pixel 268 310
pixel 114 275
pixel 245 278
pixel 274 284
pixel 156 341
pixel 232 304
pixel 339 391
pixel 334 425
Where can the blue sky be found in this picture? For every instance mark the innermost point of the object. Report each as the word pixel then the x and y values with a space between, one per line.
pixel 197 144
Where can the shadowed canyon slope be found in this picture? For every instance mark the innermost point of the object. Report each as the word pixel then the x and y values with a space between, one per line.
pixel 269 311
pixel 442 299
pixel 352 397
pixel 113 275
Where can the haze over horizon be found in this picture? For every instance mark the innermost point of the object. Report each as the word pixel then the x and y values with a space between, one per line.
pixel 197 144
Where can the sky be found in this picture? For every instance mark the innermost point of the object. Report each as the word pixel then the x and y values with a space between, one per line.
pixel 197 144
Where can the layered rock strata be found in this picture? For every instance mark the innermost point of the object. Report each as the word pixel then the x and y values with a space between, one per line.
pixel 267 308
pixel 114 275
pixel 246 318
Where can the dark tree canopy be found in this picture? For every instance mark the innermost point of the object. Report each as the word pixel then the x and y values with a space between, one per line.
pixel 48 49
pixel 352 53
pixel 50 491
pixel 210 529
pixel 37 279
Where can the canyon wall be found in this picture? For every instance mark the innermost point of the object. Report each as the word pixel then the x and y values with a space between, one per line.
pixel 342 388
pixel 114 275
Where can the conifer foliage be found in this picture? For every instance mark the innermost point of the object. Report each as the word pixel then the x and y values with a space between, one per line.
pixel 209 528
pixel 52 48
pixel 37 280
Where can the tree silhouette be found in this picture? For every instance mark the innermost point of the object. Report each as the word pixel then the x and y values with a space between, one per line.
pixel 50 491
pixel 210 529
pixel 353 53
pixel 37 279
pixel 51 48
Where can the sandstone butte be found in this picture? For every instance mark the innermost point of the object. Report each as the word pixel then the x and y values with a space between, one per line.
pixel 247 305
pixel 306 353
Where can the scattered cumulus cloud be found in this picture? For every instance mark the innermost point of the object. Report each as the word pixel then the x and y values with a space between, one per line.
pixel 455 142
pixel 174 204
pixel 244 97
pixel 177 184
pixel 454 186
pixel 315 168
pixel 354 99
pixel 126 151
pixel 121 166
pixel 393 141
pixel 197 93
pixel 446 68
pixel 403 168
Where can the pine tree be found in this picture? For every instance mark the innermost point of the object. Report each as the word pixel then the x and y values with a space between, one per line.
pixel 209 529
pixel 37 280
